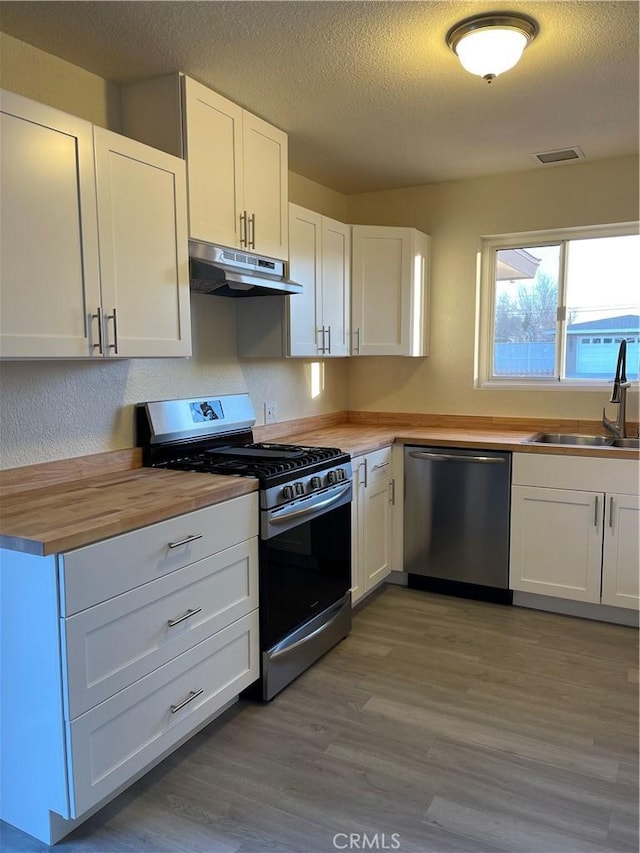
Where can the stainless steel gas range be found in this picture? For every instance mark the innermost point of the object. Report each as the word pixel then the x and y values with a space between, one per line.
pixel 305 522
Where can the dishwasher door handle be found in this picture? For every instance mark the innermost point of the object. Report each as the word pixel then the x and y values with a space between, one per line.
pixel 449 457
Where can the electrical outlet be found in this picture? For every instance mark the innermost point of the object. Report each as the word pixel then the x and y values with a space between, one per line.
pixel 270 413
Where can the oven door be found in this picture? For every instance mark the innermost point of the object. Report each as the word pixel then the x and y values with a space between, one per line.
pixel 305 580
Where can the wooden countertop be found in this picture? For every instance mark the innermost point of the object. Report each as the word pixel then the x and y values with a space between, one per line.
pixel 94 497
pixel 357 439
pixel 68 515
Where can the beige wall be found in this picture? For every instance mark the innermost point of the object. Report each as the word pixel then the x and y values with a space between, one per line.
pixel 58 409
pixel 456 214
pixel 314 196
pixel 46 78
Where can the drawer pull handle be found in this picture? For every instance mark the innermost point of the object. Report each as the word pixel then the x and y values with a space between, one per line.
pixel 172 622
pixel 185 541
pixel 192 695
pixel 381 465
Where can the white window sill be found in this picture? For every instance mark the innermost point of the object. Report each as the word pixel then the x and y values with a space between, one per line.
pixel 548 385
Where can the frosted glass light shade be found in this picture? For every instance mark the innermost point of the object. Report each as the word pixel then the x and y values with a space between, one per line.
pixel 488 45
pixel 490 52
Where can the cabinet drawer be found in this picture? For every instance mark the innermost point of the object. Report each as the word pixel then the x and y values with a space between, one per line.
pixel 378 465
pixel 122 736
pixel 97 572
pixel 111 645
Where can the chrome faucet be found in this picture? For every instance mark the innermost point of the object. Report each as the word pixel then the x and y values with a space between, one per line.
pixel 618 428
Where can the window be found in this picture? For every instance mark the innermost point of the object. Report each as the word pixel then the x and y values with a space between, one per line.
pixel 545 296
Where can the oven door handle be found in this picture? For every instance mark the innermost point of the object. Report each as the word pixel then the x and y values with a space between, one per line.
pixel 285 515
pixel 286 646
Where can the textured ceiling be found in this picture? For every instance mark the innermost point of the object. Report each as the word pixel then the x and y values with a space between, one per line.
pixel 369 93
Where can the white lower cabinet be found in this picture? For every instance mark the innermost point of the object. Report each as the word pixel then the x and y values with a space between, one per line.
pixel 574 529
pixel 371 513
pixel 120 651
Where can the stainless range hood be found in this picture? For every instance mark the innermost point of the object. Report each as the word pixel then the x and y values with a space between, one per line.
pixel 230 272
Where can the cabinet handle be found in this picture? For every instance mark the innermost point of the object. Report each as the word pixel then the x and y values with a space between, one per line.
pixel 329 337
pixel 611 505
pixel 321 348
pixel 173 622
pixel 252 231
pixel 392 492
pixel 366 473
pixel 357 346
pixel 595 515
pixel 114 345
pixel 192 695
pixel 382 465
pixel 98 316
pixel 243 229
pixel 186 540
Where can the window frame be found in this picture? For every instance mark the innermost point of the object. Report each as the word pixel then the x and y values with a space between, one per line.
pixel 485 304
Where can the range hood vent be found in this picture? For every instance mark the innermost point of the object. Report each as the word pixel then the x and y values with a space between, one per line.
pixel 220 271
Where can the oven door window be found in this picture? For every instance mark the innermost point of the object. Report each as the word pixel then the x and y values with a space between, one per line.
pixel 303 571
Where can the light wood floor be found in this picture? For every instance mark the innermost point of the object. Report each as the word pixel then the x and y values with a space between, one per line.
pixel 456 725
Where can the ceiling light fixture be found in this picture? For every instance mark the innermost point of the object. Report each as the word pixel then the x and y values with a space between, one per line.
pixel 489 44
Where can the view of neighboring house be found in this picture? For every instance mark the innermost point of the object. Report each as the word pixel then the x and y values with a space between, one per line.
pixel 592 347
pixel 591 353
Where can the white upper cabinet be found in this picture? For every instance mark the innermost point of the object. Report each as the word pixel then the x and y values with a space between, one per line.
pixel 314 323
pixel 304 327
pixel 333 295
pixel 49 274
pixel 213 135
pixel 265 186
pixel 144 263
pixel 237 164
pixel 94 241
pixel 390 291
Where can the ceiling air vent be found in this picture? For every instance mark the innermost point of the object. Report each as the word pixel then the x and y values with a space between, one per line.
pixel 560 155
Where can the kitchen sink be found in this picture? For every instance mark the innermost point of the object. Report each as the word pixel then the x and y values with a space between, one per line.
pixel 627 443
pixel 575 439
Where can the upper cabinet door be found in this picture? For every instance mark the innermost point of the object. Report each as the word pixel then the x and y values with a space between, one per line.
pixel 389 291
pixel 336 291
pixel 213 128
pixel 265 188
pixel 49 274
pixel 142 221
pixel 305 267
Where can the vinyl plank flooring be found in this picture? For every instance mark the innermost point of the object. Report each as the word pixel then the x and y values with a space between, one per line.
pixel 438 725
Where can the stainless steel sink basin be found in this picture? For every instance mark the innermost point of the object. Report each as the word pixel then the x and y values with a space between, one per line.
pixel 627 443
pixel 574 439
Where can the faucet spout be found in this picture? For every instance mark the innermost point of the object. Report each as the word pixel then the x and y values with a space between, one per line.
pixel 618 428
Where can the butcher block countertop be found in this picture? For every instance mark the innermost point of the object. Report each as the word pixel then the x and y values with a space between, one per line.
pixel 68 515
pixel 57 506
pixel 357 439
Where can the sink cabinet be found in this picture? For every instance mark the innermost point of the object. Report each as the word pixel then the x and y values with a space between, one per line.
pixel 118 652
pixel 67 188
pixel 574 529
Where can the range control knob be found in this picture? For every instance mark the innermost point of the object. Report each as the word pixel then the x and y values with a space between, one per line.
pixel 299 487
pixel 316 483
pixel 287 493
pixel 341 474
pixel 332 477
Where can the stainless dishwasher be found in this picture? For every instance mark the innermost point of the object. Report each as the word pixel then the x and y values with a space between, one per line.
pixel 456 521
